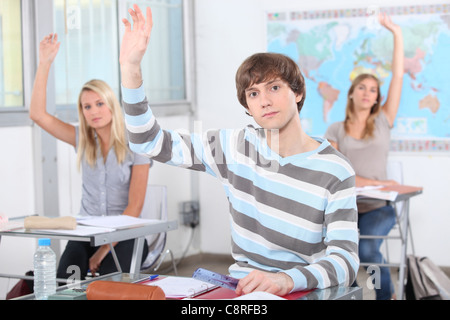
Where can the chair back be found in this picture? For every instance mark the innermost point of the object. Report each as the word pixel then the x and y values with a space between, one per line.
pixel 155 207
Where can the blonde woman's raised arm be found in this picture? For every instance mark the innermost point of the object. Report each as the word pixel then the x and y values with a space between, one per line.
pixel 48 49
pixel 392 103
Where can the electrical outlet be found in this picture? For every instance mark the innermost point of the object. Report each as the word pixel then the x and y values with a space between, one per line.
pixel 189 211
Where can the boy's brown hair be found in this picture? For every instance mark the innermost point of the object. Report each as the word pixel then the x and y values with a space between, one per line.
pixel 262 67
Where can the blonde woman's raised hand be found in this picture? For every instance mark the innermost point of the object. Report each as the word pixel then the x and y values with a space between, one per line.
pixel 48 48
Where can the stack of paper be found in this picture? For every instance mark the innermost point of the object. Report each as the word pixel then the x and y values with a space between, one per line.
pixel 114 222
pixel 89 225
pixel 259 295
pixel 376 192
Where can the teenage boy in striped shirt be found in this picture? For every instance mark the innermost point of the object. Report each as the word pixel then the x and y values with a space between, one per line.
pixel 292 200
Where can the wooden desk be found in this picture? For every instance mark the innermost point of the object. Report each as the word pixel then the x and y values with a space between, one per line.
pixel 137 233
pixel 405 193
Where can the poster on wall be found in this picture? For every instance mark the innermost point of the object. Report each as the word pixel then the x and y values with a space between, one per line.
pixel 332 47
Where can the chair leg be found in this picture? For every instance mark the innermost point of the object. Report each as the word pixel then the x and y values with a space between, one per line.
pixel 116 260
pixel 387 250
pixel 168 251
pixel 411 239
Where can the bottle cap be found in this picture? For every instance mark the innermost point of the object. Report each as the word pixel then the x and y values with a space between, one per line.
pixel 44 242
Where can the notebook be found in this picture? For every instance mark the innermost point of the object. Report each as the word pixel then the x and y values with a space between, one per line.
pixel 181 287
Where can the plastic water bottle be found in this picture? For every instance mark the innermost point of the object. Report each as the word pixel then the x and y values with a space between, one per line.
pixel 44 270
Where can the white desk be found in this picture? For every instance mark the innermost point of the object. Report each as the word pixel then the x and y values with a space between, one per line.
pixel 138 233
pixel 405 193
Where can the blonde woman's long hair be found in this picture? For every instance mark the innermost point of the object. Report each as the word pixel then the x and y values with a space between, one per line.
pixel 350 110
pixel 87 145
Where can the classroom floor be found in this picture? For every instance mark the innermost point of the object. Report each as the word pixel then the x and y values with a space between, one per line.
pixel 220 263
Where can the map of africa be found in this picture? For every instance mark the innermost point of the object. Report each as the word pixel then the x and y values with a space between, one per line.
pixel 333 46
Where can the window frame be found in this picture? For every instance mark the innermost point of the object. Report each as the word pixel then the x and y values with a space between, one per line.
pixel 18 116
pixel 37 20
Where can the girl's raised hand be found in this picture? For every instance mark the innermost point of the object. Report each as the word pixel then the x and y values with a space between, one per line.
pixel 48 48
pixel 386 21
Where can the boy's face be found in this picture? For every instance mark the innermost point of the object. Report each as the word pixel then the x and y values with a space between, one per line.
pixel 272 104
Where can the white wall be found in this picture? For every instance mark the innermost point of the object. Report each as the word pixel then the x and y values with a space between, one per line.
pixel 429 212
pixel 16 199
pixel 226 33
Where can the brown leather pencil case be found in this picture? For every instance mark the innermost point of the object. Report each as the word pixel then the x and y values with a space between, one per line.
pixel 111 290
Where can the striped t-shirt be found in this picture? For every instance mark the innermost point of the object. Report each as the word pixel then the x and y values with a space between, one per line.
pixel 295 214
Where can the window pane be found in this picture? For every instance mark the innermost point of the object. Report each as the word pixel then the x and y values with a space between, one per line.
pixel 163 65
pixel 88 32
pixel 11 72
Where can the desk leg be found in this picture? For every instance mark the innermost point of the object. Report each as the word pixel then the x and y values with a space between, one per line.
pixel 116 260
pixel 403 256
pixel 136 260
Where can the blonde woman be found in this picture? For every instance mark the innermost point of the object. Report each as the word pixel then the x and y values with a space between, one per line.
pixel 114 179
pixel 364 138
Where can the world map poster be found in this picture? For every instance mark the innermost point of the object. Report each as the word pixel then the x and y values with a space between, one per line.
pixel 332 47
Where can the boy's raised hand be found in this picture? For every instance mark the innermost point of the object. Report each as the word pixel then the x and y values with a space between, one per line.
pixel 134 45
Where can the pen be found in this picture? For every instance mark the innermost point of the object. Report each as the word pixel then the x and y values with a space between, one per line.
pixel 153 277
